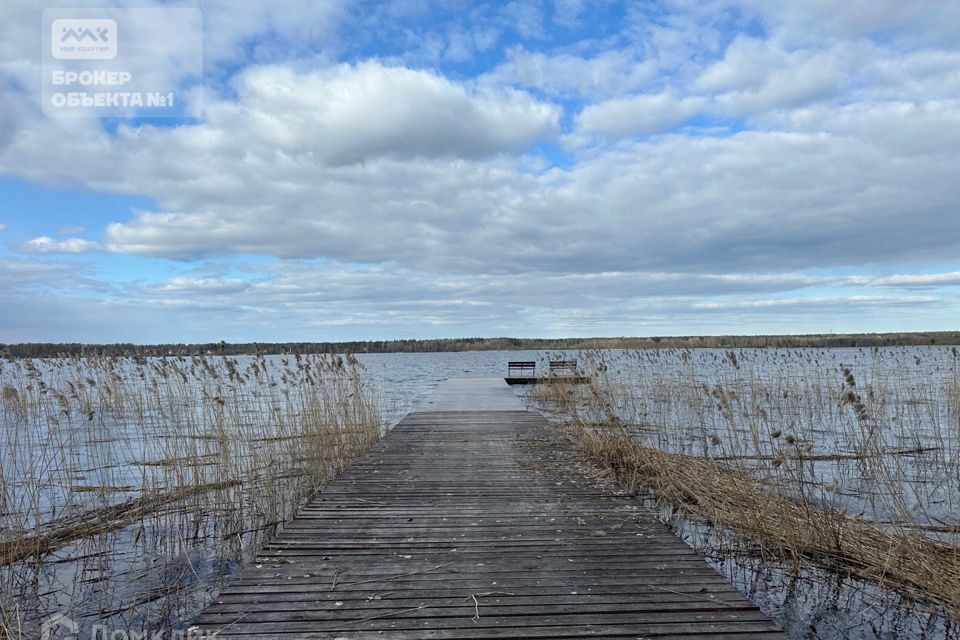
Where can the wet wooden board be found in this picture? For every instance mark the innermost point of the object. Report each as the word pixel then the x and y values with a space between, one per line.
pixel 477 523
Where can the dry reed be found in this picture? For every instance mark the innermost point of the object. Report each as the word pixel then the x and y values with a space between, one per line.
pixel 781 525
pixel 803 457
pixel 130 487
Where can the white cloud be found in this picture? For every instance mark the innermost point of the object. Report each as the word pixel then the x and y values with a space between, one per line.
pixel 526 17
pixel 755 75
pixel 567 13
pixel 17 273
pixel 765 201
pixel 288 300
pixel 45 244
pixel 817 302
pixel 904 129
pixel 267 30
pixel 808 82
pixel 464 43
pixel 434 202
pixel 296 293
pixel 348 114
pixel 746 64
pixel 910 280
pixel 205 286
pixel 803 22
pixel 641 114
pixel 604 75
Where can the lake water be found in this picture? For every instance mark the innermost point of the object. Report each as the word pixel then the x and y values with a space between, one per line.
pixel 798 390
pixel 402 381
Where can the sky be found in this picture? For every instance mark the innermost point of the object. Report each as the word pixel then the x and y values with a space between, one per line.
pixel 412 169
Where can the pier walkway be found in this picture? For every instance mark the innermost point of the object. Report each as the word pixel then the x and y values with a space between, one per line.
pixel 473 518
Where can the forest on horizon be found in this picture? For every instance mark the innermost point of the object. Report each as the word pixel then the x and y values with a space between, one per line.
pixel 48 349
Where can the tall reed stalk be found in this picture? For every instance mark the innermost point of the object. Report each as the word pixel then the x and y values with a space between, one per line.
pixel 847 458
pixel 129 488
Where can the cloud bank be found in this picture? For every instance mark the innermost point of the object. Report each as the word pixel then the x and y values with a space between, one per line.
pixel 700 167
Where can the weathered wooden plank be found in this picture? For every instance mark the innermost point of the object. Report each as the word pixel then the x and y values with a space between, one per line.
pixel 473 522
pixel 728 632
pixel 693 594
pixel 465 587
pixel 499 628
pixel 425 617
pixel 428 609
pixel 662 621
pixel 274 602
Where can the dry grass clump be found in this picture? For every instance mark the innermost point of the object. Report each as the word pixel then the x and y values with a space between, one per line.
pixel 850 458
pixel 95 522
pixel 781 525
pixel 130 487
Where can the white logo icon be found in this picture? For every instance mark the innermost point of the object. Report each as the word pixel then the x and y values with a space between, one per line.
pixel 83 39
pixel 50 625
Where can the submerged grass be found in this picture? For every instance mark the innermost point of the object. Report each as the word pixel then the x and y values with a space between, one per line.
pixel 800 456
pixel 130 487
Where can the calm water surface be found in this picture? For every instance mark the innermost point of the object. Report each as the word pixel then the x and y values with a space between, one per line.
pixel 401 381
pixel 812 604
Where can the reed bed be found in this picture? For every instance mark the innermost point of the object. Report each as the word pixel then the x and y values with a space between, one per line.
pixel 845 458
pixel 130 488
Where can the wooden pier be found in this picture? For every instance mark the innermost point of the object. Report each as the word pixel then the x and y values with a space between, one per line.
pixel 473 518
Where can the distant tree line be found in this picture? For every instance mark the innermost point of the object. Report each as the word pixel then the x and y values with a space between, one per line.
pixel 44 349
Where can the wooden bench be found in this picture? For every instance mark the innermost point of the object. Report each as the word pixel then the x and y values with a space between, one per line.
pixel 563 367
pixel 521 368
